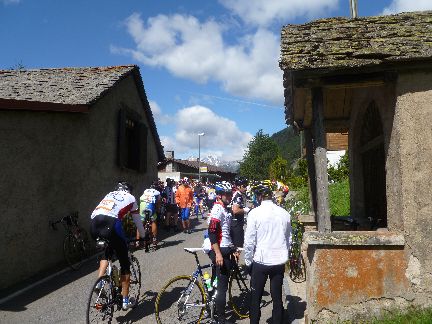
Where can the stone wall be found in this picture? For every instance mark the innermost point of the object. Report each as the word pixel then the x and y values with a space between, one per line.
pixel 354 275
pixel 53 164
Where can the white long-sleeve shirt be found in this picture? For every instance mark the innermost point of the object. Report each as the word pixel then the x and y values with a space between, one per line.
pixel 268 235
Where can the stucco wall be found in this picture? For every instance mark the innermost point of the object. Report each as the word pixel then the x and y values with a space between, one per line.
pixel 411 147
pixel 53 164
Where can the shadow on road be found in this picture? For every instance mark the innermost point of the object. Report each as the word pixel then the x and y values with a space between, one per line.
pixel 19 302
pixel 296 308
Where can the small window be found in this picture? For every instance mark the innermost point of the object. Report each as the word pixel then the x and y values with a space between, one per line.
pixel 132 141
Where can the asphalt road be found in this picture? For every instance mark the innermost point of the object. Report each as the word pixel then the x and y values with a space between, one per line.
pixel 63 298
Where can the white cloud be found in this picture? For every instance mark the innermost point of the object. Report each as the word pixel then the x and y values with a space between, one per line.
pixel 222 136
pixel 190 49
pixel 265 12
pixel 158 115
pixel 407 5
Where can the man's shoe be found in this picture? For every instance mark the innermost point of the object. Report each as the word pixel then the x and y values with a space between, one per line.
pixel 189 231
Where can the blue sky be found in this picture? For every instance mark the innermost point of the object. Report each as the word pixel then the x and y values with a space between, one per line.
pixel 208 65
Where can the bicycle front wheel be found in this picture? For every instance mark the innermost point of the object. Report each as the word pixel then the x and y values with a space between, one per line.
pixel 135 279
pixel 73 251
pixel 239 293
pixel 100 306
pixel 181 300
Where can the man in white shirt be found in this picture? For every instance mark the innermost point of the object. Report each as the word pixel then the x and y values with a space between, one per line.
pixel 267 241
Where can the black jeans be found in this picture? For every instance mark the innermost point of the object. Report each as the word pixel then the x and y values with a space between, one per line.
pixel 222 274
pixel 260 273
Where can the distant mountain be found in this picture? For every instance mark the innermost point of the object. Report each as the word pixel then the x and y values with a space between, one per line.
pixel 231 166
pixel 289 144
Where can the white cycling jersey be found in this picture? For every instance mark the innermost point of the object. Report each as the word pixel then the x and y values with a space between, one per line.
pixel 223 216
pixel 116 204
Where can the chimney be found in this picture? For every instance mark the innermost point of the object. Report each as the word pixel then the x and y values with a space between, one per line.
pixel 169 155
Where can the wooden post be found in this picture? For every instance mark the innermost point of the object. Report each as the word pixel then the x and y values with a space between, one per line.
pixel 311 171
pixel 323 210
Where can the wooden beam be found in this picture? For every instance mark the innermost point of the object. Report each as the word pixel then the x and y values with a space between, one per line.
pixel 311 170
pixel 323 209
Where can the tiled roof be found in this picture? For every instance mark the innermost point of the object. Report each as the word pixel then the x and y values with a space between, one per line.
pixel 345 43
pixel 70 86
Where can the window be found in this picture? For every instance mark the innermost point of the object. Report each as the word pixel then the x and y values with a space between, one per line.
pixel 132 141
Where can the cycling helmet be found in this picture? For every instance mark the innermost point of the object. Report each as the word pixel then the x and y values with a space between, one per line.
pixel 263 188
pixel 185 180
pixel 223 187
pixel 240 181
pixel 124 186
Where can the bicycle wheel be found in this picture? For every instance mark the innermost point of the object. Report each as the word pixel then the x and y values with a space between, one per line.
pixel 239 293
pixel 135 279
pixel 181 300
pixel 100 306
pixel 297 271
pixel 73 251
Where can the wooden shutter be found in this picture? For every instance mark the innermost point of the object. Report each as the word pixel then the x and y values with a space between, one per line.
pixel 142 141
pixel 121 143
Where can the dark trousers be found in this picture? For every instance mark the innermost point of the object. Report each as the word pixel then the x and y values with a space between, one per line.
pixel 260 273
pixel 222 274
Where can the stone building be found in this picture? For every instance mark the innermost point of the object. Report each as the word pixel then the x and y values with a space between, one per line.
pixel 372 79
pixel 67 136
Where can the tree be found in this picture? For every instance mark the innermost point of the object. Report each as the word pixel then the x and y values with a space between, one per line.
pixel 260 153
pixel 279 169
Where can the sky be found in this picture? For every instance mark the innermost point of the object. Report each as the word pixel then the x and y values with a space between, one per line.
pixel 208 66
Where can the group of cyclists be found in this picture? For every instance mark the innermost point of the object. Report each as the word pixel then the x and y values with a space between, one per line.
pixel 172 204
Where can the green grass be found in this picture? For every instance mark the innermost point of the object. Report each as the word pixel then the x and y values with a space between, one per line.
pixel 339 196
pixel 412 316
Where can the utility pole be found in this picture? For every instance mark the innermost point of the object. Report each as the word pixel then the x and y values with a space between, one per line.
pixel 353 8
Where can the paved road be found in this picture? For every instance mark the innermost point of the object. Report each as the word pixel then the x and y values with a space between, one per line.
pixel 63 299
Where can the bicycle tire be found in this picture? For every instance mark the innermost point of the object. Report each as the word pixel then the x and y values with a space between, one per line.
pixel 72 251
pixel 169 304
pixel 135 279
pixel 297 271
pixel 100 306
pixel 239 293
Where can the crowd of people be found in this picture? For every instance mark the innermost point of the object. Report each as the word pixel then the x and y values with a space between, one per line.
pixel 171 204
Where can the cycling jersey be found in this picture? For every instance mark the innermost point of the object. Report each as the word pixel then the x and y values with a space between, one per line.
pixel 169 195
pixel 148 201
pixel 116 204
pixel 219 227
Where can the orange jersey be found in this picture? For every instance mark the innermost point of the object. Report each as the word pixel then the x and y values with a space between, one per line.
pixel 184 197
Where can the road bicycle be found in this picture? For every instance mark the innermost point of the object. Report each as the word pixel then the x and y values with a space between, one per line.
pixel 296 264
pixel 105 295
pixel 149 239
pixel 76 242
pixel 187 299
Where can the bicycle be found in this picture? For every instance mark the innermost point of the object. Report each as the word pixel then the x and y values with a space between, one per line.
pixel 149 239
pixel 187 299
pixel 75 243
pixel 106 294
pixel 296 264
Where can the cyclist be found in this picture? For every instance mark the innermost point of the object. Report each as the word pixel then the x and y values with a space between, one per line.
pixel 184 198
pixel 239 211
pixel 221 244
pixel 267 241
pixel 211 197
pixel 151 200
pixel 106 223
pixel 171 206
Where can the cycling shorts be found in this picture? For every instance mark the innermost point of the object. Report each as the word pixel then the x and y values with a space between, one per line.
pixel 185 213
pixel 111 229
